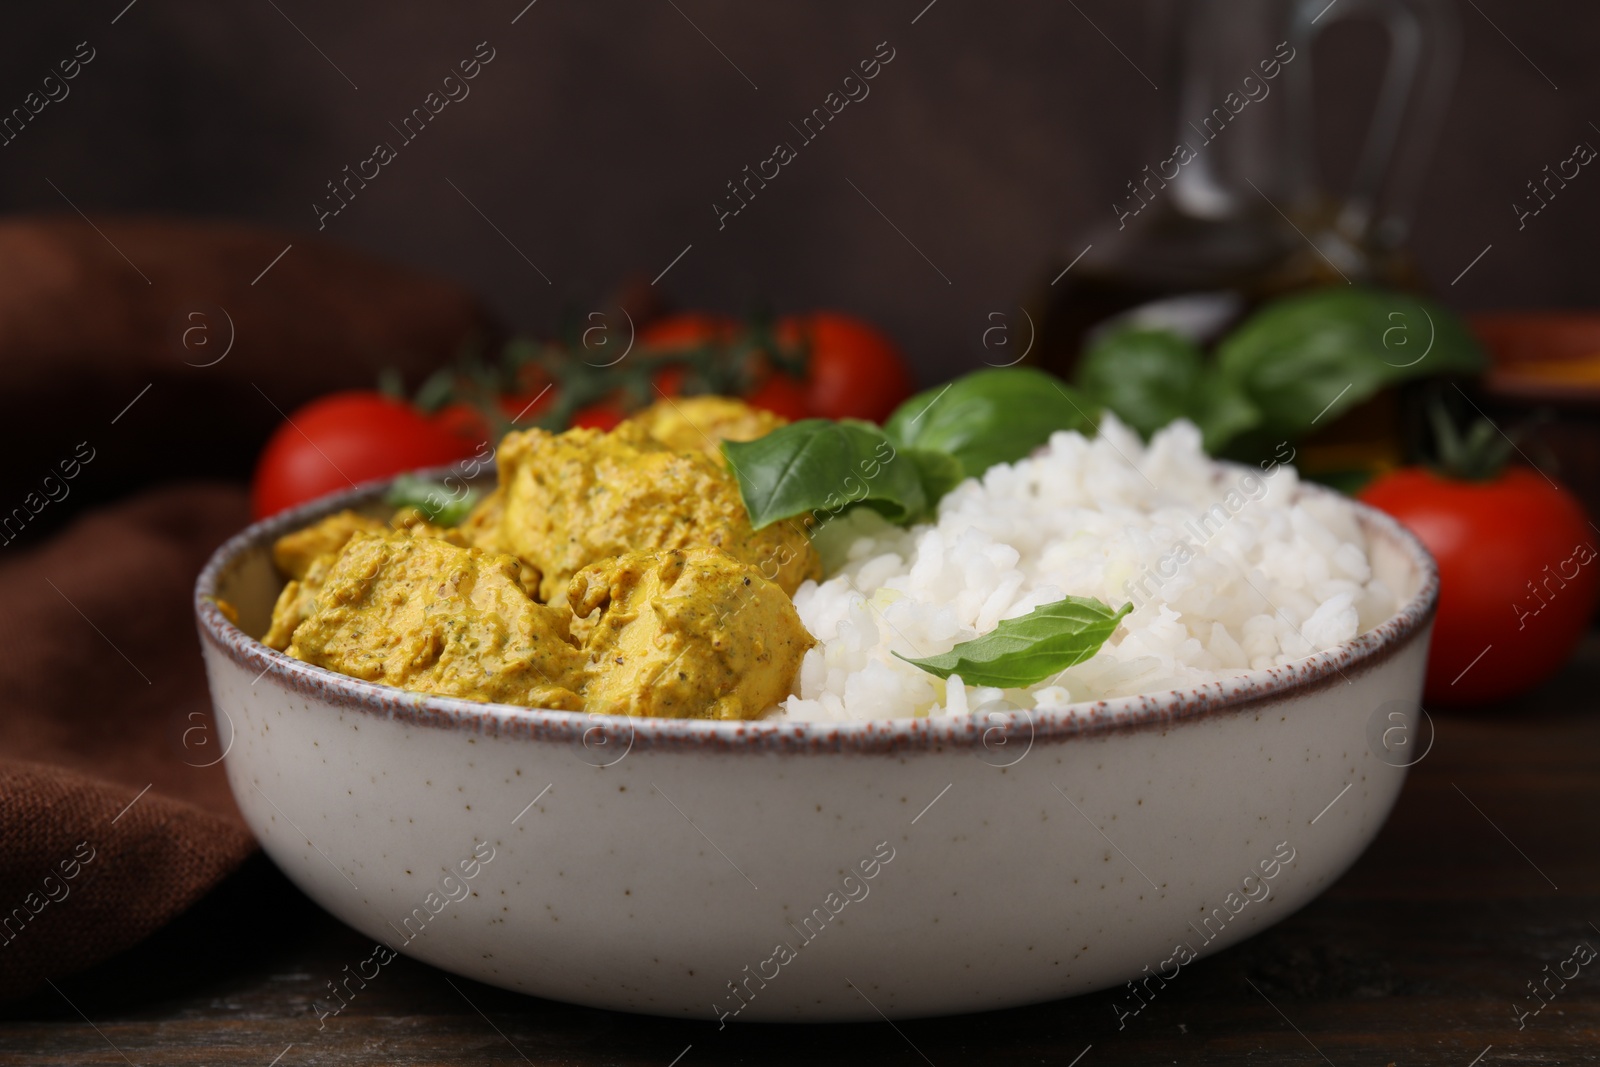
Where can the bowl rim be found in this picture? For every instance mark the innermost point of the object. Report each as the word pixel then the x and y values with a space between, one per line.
pixel 998 734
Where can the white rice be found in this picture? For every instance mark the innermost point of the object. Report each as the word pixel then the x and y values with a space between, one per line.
pixel 1227 573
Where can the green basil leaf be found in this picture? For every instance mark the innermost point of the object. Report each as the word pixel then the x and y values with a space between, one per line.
pixel 436 501
pixel 1027 650
pixel 940 472
pixel 1222 411
pixel 1148 377
pixel 1311 357
pixel 821 467
pixel 990 416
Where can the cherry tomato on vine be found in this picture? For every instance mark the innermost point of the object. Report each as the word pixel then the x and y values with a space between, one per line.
pixel 677 333
pixel 668 381
pixel 464 420
pixel 603 416
pixel 1518 576
pixel 782 395
pixel 522 408
pixel 348 438
pixel 854 370
pixel 687 329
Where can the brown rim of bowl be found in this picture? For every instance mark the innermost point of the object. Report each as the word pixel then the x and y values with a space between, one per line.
pixel 600 737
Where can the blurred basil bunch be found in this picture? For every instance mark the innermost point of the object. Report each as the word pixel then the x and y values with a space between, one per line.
pixel 1294 366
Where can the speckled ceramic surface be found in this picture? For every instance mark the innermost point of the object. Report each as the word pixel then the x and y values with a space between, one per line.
pixel 760 871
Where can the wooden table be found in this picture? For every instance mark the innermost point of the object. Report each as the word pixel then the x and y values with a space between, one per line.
pixel 1488 870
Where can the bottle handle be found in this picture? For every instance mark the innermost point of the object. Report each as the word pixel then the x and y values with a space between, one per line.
pixel 1424 52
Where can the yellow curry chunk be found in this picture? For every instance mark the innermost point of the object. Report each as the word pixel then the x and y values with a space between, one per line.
pixel 567 500
pixel 306 556
pixel 686 634
pixel 422 614
pixel 298 600
pixel 294 553
pixel 686 609
pixel 411 520
pixel 699 423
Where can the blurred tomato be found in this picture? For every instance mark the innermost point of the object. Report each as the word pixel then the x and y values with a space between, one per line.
pixel 669 381
pixel 1518 577
pixel 782 395
pixel 855 370
pixel 464 420
pixel 688 329
pixel 348 438
pixel 603 416
pixel 524 407
pixel 682 332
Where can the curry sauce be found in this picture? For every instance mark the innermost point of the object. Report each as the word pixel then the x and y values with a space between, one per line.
pixel 683 608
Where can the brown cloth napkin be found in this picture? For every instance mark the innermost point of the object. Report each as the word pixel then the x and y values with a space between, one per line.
pixel 117 338
pixel 115 814
pixel 104 695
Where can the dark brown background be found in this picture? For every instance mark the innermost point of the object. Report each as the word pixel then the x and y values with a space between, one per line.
pixel 601 133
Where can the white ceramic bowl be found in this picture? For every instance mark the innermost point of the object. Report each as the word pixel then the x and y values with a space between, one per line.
pixel 765 871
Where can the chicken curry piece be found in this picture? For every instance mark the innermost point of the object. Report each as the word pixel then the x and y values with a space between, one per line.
pixel 567 500
pixel 420 613
pixel 699 424
pixel 307 555
pixel 296 553
pixel 686 634
pixel 685 609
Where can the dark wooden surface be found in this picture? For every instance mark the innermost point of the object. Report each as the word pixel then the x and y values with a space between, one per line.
pixel 1419 955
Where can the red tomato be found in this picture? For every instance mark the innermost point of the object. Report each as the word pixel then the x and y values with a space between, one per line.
pixel 1518 577
pixel 604 416
pixel 669 381
pixel 347 438
pixel 688 329
pixel 782 395
pixel 464 420
pixel 679 333
pixel 856 371
pixel 529 395
pixel 524 407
